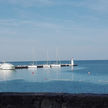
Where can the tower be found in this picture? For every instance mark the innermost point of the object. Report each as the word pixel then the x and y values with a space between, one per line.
pixel 72 61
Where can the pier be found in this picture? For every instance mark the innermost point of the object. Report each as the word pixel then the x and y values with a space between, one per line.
pixel 8 66
pixel 41 66
pixel 46 65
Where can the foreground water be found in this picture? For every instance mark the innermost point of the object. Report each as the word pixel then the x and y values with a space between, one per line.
pixel 87 77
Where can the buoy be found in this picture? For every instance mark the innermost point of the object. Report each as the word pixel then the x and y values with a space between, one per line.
pixel 89 73
pixel 32 72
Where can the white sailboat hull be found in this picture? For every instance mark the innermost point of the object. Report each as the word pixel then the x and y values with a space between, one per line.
pixel 46 66
pixel 55 65
pixel 32 66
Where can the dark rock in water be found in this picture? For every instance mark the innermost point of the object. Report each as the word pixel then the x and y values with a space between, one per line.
pixel 52 100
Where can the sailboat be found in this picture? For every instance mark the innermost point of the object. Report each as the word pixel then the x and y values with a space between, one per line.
pixel 56 65
pixel 46 65
pixel 32 66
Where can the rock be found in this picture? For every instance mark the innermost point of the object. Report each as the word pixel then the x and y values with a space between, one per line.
pixel 52 100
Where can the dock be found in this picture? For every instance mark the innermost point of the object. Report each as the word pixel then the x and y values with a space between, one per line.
pixel 41 66
pixel 46 65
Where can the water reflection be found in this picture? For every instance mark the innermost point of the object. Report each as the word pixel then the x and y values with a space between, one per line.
pixel 5 74
pixel 72 68
pixel 54 74
pixel 79 79
pixel 32 69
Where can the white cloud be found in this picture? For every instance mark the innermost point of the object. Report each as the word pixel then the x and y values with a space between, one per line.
pixel 15 27
pixel 31 33
pixel 17 23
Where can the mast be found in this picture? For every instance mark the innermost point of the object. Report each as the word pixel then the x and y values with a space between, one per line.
pixel 47 57
pixel 57 57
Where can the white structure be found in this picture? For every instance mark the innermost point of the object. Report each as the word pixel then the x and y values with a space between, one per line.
pixel 46 66
pixel 55 65
pixel 7 66
pixel 72 62
pixel 32 66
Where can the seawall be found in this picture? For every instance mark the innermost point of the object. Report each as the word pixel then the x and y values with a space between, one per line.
pixel 53 100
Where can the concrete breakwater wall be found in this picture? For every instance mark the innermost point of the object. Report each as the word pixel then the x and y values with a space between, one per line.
pixel 52 100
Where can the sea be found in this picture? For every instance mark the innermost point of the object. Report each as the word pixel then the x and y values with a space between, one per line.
pixel 90 76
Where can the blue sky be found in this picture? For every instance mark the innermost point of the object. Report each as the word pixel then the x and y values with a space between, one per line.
pixel 75 28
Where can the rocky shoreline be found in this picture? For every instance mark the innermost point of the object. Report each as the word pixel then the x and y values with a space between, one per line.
pixel 53 100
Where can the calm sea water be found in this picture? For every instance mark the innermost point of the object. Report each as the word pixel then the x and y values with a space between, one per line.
pixel 87 77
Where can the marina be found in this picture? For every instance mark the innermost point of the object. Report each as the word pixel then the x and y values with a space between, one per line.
pixel 87 77
pixel 8 66
pixel 52 48
pixel 43 66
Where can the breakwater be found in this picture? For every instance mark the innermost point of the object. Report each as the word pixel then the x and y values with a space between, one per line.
pixel 52 100
pixel 40 66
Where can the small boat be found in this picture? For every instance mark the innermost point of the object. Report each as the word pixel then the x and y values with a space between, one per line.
pixel 7 66
pixel 56 65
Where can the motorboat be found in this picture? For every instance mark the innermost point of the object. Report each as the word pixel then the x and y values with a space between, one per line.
pixel 7 66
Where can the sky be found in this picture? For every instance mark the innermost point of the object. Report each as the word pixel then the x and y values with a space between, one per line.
pixel 53 29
